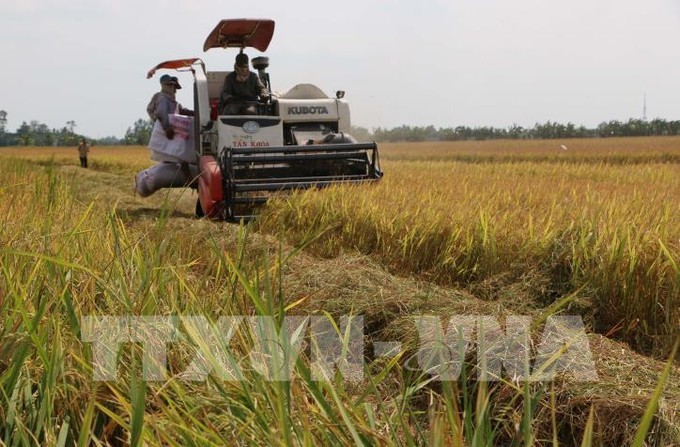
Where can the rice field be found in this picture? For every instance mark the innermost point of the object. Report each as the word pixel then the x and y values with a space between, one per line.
pixel 603 218
pixel 499 228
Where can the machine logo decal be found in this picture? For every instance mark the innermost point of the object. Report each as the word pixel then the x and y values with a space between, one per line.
pixel 247 141
pixel 304 110
pixel 251 126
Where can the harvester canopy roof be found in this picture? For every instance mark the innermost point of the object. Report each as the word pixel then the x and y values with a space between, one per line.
pixel 176 64
pixel 241 33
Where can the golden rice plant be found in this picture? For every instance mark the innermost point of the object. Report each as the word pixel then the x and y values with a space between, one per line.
pixel 72 245
pixel 611 229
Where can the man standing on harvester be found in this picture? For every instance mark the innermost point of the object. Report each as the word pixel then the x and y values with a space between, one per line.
pixel 171 142
pixel 241 89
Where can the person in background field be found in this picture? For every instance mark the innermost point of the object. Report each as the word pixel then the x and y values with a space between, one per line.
pixel 83 149
pixel 241 85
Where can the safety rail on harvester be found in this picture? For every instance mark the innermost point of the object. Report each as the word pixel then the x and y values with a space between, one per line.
pixel 253 174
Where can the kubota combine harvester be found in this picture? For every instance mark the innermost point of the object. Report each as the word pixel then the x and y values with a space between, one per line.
pixel 299 139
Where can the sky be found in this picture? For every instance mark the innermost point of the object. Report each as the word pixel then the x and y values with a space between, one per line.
pixel 429 62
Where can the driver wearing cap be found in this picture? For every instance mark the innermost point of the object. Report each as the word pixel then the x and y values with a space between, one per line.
pixel 241 88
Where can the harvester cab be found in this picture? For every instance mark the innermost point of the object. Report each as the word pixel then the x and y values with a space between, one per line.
pixel 295 140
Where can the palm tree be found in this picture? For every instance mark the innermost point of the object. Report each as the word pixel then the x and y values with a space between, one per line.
pixel 71 125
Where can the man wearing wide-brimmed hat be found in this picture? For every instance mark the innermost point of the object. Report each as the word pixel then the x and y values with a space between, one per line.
pixel 164 103
pixel 241 88
pixel 171 146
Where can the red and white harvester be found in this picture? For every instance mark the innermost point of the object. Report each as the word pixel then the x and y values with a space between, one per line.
pixel 298 139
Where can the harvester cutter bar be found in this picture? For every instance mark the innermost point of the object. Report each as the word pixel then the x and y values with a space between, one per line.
pixel 305 148
pixel 298 157
pixel 276 186
pixel 252 174
pixel 342 178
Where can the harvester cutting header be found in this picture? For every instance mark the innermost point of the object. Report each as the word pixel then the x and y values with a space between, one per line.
pixel 249 148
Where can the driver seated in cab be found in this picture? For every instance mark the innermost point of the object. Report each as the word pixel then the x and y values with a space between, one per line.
pixel 241 89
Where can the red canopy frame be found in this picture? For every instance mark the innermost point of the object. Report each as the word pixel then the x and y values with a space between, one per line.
pixel 241 33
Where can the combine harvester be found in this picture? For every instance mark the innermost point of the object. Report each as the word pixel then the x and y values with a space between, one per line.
pixel 297 140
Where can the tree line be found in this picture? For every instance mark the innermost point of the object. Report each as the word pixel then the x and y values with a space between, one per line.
pixel 35 133
pixel 549 130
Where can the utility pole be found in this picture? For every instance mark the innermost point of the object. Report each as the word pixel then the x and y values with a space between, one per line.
pixel 644 107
